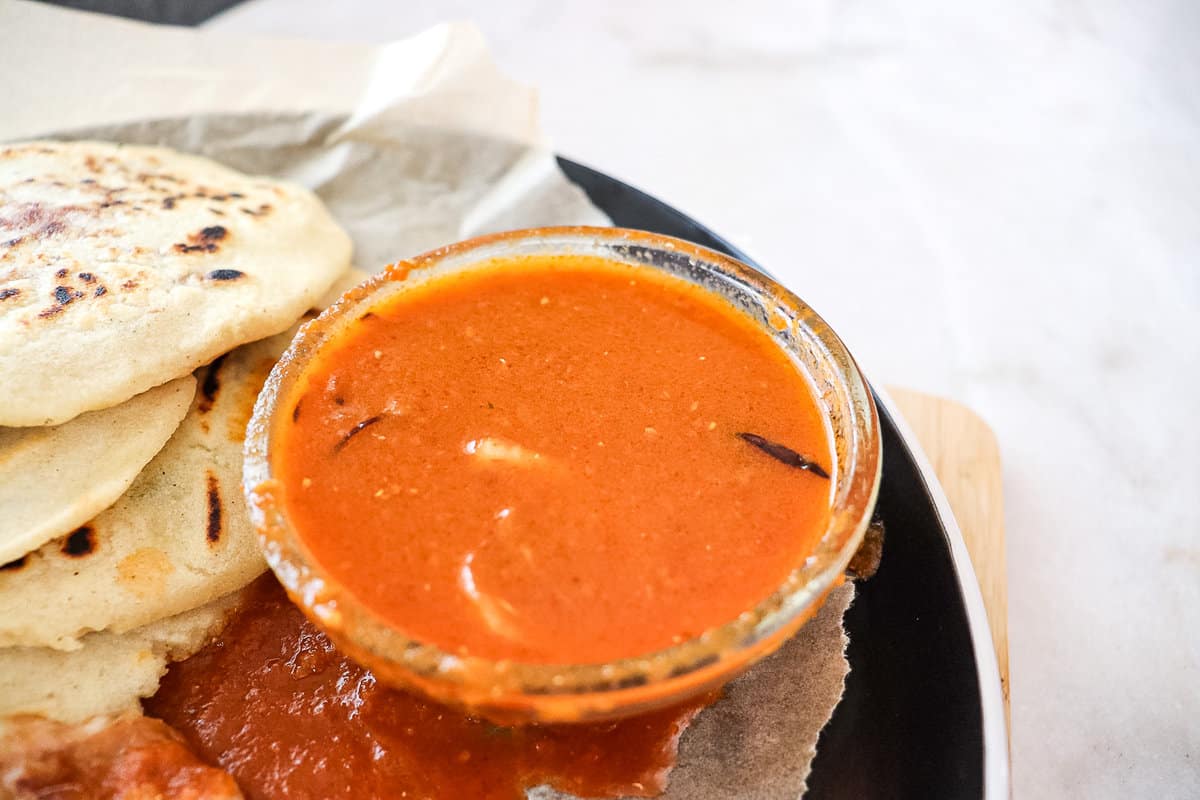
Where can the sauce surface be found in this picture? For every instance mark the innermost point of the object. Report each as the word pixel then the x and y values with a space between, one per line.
pixel 274 704
pixel 540 460
pixel 128 759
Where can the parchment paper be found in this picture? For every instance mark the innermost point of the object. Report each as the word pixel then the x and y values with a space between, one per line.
pixel 412 145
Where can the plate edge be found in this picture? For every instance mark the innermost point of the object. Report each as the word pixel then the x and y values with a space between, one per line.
pixel 996 778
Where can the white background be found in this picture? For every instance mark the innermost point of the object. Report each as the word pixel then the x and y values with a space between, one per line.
pixel 998 201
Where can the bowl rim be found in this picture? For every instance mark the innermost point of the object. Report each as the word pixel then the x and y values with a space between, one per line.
pixel 520 691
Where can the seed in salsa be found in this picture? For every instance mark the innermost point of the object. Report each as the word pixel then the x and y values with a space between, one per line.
pixel 555 459
pixel 273 703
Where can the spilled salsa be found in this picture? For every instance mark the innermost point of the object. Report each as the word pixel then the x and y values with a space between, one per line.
pixel 276 706
pixel 555 459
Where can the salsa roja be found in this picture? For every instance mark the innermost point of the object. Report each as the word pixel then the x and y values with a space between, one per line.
pixel 119 759
pixel 555 459
pixel 274 704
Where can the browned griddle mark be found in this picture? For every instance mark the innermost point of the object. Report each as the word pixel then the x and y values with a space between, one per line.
pixel 296 410
pixel 14 565
pixel 14 242
pixel 367 316
pixel 203 241
pixel 205 247
pixel 224 275
pixel 262 210
pixel 81 542
pixel 100 291
pixel 357 429
pixel 87 277
pixel 214 509
pixel 339 401
pixel 169 202
pixel 783 454
pixel 62 273
pixel 63 296
pixel 7 293
pixel 39 219
pixel 211 385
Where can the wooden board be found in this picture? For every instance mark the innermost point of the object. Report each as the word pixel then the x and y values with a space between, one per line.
pixel 964 454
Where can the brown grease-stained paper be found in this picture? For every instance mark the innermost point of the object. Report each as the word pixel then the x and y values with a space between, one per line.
pixel 412 145
pixel 758 741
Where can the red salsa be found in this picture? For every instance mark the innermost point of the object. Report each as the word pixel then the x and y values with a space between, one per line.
pixel 276 706
pixel 555 459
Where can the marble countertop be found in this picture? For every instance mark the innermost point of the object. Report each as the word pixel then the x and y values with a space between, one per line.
pixel 994 201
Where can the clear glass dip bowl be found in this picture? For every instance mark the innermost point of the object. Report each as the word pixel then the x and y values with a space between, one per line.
pixel 509 691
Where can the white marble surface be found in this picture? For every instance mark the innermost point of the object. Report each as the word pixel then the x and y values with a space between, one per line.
pixel 998 201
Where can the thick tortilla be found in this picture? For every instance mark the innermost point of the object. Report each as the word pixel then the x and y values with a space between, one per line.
pixel 110 673
pixel 180 536
pixel 52 480
pixel 124 267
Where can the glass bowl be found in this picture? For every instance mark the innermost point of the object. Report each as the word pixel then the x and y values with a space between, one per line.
pixel 509 691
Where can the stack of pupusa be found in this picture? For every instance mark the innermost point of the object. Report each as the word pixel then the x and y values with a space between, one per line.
pixel 144 296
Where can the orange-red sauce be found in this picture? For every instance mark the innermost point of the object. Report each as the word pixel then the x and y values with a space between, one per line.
pixel 275 705
pixel 129 759
pixel 539 461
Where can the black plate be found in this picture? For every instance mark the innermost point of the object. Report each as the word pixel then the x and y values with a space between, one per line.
pixel 912 720
pixel 166 12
